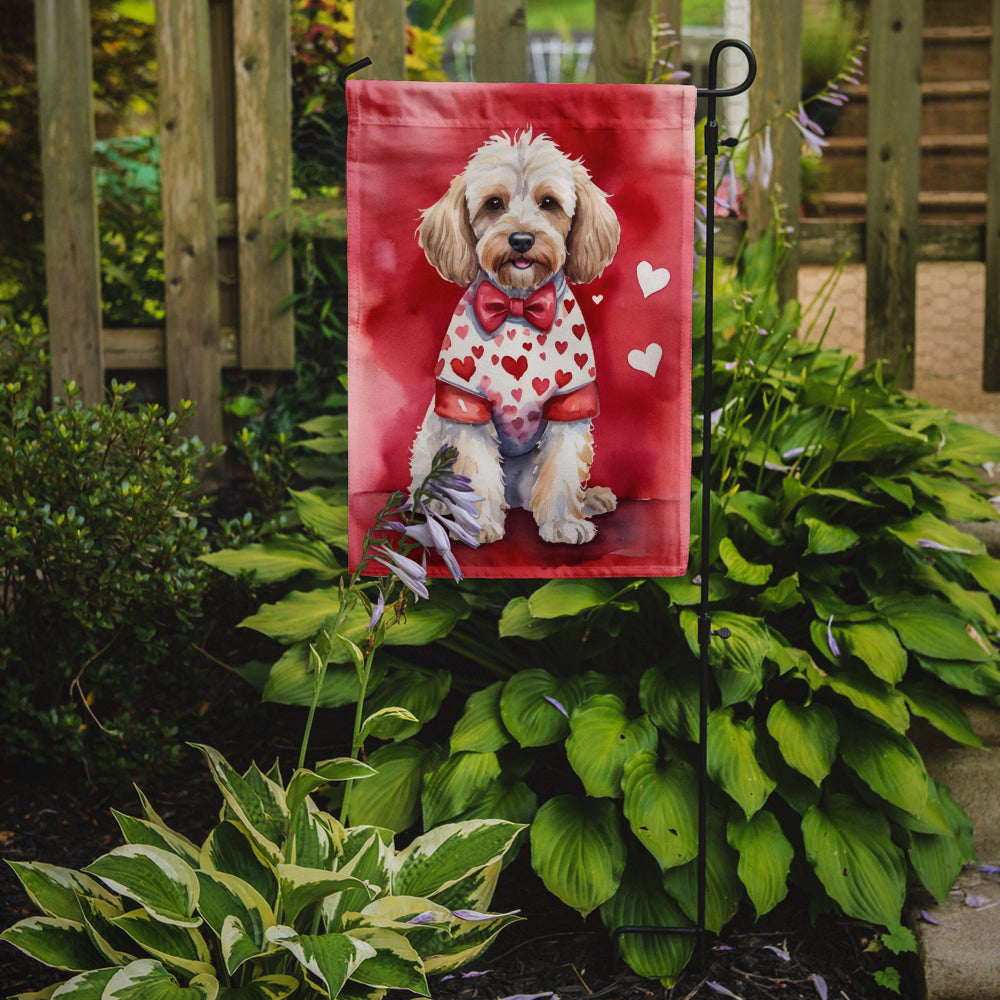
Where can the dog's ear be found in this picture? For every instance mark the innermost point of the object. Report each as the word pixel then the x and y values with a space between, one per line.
pixel 446 237
pixel 594 234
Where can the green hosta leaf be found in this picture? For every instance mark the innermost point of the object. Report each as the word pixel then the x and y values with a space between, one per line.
pixel 641 901
pixel 230 849
pixel 723 889
pixel 517 620
pixel 275 987
pixel 893 488
pixel 976 678
pixel 661 798
pixel 395 964
pixel 732 760
pixel 415 689
pixel 530 706
pixel 758 511
pixel 975 605
pixel 870 435
pixel 180 948
pixel 738 661
pixel 957 501
pixel 986 572
pixel 456 784
pixel 807 736
pixel 481 728
pixel 928 528
pixel 671 700
pixel 876 646
pixel 965 443
pixel 765 858
pixel 578 851
pixel 279 558
pixel 888 763
pixel 260 809
pixel 559 598
pixel 937 859
pixel 56 891
pixel 602 738
pixel 850 848
pixel 147 979
pixel 54 941
pixel 292 680
pixel 141 831
pixel 783 595
pixel 931 628
pixel 827 539
pixel 226 898
pixel 438 859
pixel 739 569
pixel 301 887
pixel 866 692
pixel 330 959
pixel 391 798
pixel 516 803
pixel 327 520
pixel 683 592
pixel 941 709
pixel 159 881
pixel 386 723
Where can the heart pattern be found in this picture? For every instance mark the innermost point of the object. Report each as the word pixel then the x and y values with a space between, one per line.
pixel 651 280
pixel 646 361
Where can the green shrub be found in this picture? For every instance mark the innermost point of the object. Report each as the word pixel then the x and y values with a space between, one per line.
pixel 101 584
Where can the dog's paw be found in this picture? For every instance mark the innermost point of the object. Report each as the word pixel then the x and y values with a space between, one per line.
pixel 569 531
pixel 599 500
pixel 491 526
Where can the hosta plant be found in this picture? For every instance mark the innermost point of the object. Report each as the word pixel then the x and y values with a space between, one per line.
pixel 279 900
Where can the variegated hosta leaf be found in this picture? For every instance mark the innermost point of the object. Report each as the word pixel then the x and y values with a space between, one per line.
pixel 661 805
pixel 56 891
pixel 888 763
pixel 850 847
pixel 147 979
pixel 177 947
pixel 535 706
pixel 807 736
pixel 328 959
pixel 481 727
pixel 456 784
pixel 274 987
pixel 54 941
pixel 765 858
pixel 315 838
pixel 732 760
pixel 158 880
pixel 116 947
pixel 602 737
pixel 475 891
pixel 225 897
pixel 367 853
pixel 391 799
pixel 304 782
pixel 141 831
pixel 441 857
pixel 230 849
pixel 578 851
pixel 395 964
pixel 301 887
pixel 642 902
pixel 467 940
pixel 86 986
pixel 256 801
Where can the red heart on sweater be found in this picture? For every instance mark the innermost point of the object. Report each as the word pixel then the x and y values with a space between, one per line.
pixel 579 329
pixel 462 331
pixel 446 343
pixel 591 371
pixel 541 338
pixel 516 394
pixel 465 368
pixel 561 346
pixel 581 359
pixel 516 367
pixel 478 350
pixel 539 385
pixel 569 303
pixel 562 378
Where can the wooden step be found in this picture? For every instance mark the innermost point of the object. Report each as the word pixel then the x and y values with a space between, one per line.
pixel 957 206
pixel 956 53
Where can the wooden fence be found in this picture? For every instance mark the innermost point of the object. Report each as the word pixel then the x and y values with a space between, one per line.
pixel 226 161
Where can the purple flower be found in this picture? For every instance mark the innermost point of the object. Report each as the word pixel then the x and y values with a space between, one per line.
pixel 811 132
pixel 558 705
pixel 427 917
pixel 719 988
pixel 475 915
pixel 761 163
pixel 411 574
pixel 820 983
pixel 377 611
pixel 927 543
pixel 834 648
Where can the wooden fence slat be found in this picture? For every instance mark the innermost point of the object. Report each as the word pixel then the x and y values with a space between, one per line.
pixel 501 37
pixel 72 255
pixel 190 253
pixel 991 331
pixel 621 40
pixel 380 34
pixel 892 215
pixel 776 36
pixel 262 61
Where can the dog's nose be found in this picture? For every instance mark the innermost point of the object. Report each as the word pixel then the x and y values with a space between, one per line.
pixel 521 242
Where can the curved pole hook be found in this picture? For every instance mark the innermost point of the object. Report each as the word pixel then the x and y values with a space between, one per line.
pixel 353 68
pixel 712 90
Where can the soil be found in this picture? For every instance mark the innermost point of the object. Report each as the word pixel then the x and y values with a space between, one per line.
pixel 551 952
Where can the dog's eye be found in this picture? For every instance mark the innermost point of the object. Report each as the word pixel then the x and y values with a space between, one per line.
pixel 494 204
pixel 548 203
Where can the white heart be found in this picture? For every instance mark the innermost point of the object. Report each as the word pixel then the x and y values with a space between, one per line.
pixel 651 280
pixel 598 299
pixel 646 361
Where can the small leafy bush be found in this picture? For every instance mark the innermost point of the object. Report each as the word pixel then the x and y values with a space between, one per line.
pixel 101 584
pixel 280 899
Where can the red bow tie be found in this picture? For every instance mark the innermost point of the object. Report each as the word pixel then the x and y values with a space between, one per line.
pixel 493 307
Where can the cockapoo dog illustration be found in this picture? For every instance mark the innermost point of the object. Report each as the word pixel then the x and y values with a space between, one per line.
pixel 515 388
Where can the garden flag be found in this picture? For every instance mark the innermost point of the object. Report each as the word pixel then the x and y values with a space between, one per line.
pixel 520 271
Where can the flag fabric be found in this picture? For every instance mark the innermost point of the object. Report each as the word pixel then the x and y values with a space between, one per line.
pixel 520 265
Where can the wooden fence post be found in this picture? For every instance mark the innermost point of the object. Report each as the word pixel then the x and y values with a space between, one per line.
pixel 501 41
pixel 380 34
pixel 776 35
pixel 892 214
pixel 72 255
pixel 262 61
pixel 190 251
pixel 991 332
pixel 622 40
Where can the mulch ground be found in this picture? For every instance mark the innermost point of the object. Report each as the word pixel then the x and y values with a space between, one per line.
pixel 551 952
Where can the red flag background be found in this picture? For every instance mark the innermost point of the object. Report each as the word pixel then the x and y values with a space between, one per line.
pixel 407 141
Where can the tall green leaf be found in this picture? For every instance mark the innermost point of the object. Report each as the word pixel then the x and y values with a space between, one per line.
pixel 732 760
pixel 765 858
pixel 807 736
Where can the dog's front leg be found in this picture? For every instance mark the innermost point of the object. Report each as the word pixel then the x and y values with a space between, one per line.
pixel 478 450
pixel 559 498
